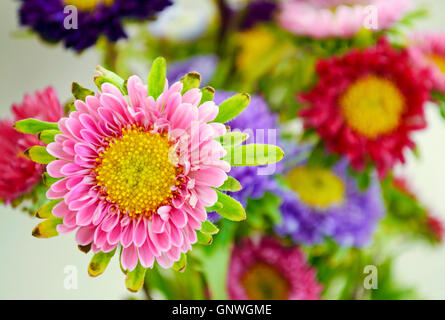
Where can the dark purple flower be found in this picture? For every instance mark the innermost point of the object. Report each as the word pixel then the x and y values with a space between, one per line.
pixel 205 65
pixel 47 17
pixel 328 203
pixel 258 11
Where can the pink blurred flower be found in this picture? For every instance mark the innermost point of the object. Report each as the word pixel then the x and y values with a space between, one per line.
pixel 428 51
pixel 19 175
pixel 137 172
pixel 269 271
pixel 338 18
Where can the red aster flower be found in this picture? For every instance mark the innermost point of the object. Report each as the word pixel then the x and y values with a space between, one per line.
pixel 366 104
pixel 18 174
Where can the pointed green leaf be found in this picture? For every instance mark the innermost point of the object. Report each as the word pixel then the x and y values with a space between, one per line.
pixel 232 209
pixel 217 206
pixel 156 77
pixel 231 184
pixel 107 76
pixel 79 92
pixel 47 228
pixel 209 228
pixel 34 126
pixel 135 278
pixel 207 94
pixel 232 107
pixel 48 180
pixel 45 212
pixel 190 81
pixel 99 263
pixel 232 139
pixel 39 154
pixel 47 136
pixel 254 155
pixel 203 238
pixel 181 264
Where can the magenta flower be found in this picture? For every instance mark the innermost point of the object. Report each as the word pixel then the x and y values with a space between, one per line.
pixel 339 18
pixel 266 270
pixel 19 175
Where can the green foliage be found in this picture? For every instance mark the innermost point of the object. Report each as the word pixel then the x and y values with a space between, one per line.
pixel 232 107
pixel 156 77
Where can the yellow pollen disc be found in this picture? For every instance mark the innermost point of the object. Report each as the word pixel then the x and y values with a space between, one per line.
pixel 439 61
pixel 264 282
pixel 372 106
pixel 317 187
pixel 136 172
pixel 87 4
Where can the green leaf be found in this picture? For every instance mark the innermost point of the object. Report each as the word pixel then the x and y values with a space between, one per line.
pixel 253 155
pixel 190 81
pixel 209 228
pixel 135 278
pixel 79 92
pixel 39 154
pixel 48 136
pixel 232 209
pixel 156 77
pixel 34 126
pixel 47 228
pixel 231 184
pixel 181 264
pixel 205 239
pixel 48 180
pixel 45 212
pixel 232 107
pixel 99 263
pixel 232 139
pixel 107 76
pixel 217 206
pixel 207 94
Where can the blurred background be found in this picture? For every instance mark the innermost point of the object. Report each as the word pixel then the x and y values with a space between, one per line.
pixel 34 269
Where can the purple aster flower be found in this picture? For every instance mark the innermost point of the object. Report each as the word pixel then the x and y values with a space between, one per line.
pixel 94 19
pixel 262 126
pixel 205 65
pixel 258 11
pixel 327 202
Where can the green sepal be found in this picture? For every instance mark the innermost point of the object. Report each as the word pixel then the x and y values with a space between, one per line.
pixel 45 212
pixel 79 92
pixel 48 136
pixel 34 126
pixel 231 209
pixel 209 228
pixel 135 278
pixel 253 155
pixel 99 263
pixel 39 154
pixel 191 80
pixel 207 94
pixel 217 206
pixel 232 107
pixel 232 139
pixel 156 77
pixel 231 184
pixel 48 180
pixel 181 264
pixel 107 76
pixel 204 238
pixel 47 228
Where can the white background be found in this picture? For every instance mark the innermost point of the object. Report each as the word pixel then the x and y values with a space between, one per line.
pixel 31 268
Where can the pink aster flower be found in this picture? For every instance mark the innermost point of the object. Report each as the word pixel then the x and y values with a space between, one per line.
pixel 18 174
pixel 137 172
pixel 266 270
pixel 339 18
pixel 428 51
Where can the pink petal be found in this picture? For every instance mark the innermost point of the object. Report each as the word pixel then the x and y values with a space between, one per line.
pixel 84 236
pixel 129 258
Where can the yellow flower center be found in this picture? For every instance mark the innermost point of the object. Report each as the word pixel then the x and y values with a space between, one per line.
pixel 317 187
pixel 88 5
pixel 264 282
pixel 136 171
pixel 372 106
pixel 439 61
